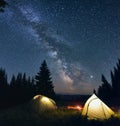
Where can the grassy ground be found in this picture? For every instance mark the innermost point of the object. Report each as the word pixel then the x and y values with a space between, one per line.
pixel 24 116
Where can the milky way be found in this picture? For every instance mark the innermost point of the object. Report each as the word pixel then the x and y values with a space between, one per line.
pixel 79 40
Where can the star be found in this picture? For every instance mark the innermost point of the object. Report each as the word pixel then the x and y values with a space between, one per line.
pixel 75 37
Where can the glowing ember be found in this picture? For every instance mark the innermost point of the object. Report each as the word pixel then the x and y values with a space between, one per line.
pixel 77 107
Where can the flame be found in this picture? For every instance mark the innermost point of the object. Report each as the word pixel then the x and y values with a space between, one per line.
pixel 77 107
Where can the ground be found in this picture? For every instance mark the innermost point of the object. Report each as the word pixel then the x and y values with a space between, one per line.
pixel 22 115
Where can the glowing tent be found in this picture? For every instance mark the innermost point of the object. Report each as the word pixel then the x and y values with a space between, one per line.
pixel 42 103
pixel 94 108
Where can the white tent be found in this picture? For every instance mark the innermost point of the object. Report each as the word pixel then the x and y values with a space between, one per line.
pixel 42 103
pixel 94 108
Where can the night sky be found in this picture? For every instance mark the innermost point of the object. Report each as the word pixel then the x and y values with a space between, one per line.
pixel 79 39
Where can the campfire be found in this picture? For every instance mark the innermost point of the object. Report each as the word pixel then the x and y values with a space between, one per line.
pixel 76 107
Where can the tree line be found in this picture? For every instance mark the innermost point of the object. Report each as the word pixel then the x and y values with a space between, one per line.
pixel 22 88
pixel 109 92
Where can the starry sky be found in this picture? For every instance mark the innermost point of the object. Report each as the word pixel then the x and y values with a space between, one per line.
pixel 79 39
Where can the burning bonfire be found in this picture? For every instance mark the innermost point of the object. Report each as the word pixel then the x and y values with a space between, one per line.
pixel 76 107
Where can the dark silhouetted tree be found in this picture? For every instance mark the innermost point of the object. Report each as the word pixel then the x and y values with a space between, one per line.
pixel 4 88
pixel 111 91
pixel 44 85
pixel 22 88
pixel 115 79
pixel 94 92
pixel 12 82
pixel 24 80
pixel 19 80
pixel 3 78
pixel 105 90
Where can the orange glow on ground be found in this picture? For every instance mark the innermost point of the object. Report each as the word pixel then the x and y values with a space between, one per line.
pixel 77 107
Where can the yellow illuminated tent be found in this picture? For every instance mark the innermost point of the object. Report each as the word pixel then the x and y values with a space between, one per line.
pixel 94 108
pixel 42 103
